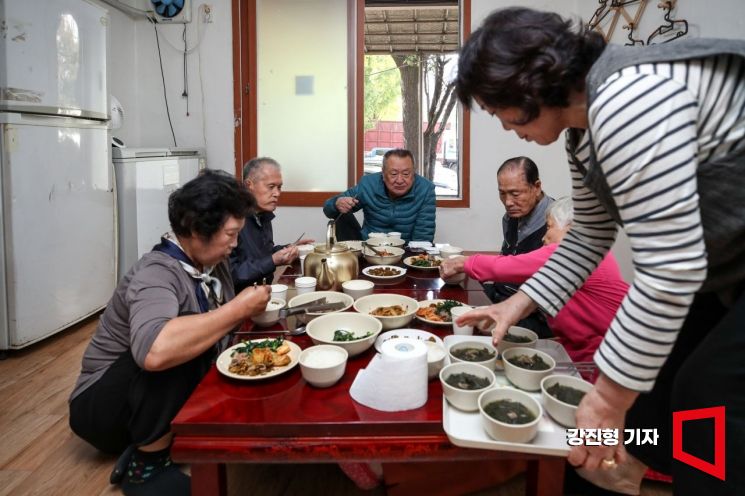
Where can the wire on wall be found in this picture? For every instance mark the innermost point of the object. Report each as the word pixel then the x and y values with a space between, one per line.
pixel 163 78
pixel 185 94
pixel 185 50
pixel 201 91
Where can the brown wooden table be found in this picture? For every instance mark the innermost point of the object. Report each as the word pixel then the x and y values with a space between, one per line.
pixel 285 420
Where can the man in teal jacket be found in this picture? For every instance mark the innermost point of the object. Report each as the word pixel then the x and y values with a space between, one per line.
pixel 397 199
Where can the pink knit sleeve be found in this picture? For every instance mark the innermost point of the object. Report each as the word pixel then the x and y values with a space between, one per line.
pixel 507 268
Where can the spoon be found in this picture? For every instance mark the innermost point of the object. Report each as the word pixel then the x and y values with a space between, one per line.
pixel 295 332
pixel 375 250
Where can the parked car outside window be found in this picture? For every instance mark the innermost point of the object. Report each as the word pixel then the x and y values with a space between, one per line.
pixel 373 160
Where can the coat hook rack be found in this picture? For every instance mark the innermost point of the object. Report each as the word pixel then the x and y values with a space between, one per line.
pixel 681 25
pixel 633 41
pixel 617 9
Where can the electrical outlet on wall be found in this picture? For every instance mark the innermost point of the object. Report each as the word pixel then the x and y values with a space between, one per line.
pixel 207 13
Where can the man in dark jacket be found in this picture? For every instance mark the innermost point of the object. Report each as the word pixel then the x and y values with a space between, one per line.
pixel 524 222
pixel 523 225
pixel 256 256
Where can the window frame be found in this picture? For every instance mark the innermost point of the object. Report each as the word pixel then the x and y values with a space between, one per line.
pixel 245 104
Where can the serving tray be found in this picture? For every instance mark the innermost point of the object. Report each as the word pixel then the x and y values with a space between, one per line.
pixel 465 429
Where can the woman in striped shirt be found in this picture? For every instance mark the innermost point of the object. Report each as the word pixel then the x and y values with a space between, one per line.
pixel 655 139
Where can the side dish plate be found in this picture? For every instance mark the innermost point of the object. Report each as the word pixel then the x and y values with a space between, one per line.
pixel 401 272
pixel 223 363
pixel 426 303
pixel 408 261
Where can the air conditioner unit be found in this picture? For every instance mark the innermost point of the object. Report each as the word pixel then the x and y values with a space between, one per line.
pixel 171 11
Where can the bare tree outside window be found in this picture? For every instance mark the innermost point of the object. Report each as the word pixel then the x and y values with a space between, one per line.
pixel 422 43
pixel 440 98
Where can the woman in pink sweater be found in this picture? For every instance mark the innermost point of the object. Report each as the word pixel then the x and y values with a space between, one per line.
pixel 583 321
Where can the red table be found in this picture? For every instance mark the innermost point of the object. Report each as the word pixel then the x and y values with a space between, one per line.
pixel 284 420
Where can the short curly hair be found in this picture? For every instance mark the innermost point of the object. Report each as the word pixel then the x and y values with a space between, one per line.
pixel 202 206
pixel 526 58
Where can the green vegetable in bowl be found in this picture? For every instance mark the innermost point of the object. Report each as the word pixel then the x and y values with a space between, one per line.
pixel 342 335
pixel 443 308
pixel 248 346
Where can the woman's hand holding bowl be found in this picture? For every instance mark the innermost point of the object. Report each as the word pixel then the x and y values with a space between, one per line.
pixel 604 407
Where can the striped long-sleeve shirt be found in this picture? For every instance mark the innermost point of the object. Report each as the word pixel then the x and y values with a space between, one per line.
pixel 652 125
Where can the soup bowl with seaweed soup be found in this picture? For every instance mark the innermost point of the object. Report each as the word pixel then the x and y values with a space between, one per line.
pixel 479 352
pixel 561 395
pixel 517 337
pixel 526 367
pixel 510 415
pixel 463 382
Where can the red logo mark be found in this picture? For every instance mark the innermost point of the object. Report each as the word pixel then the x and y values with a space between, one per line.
pixel 717 413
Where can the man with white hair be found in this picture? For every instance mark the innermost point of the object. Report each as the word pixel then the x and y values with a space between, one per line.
pixel 256 257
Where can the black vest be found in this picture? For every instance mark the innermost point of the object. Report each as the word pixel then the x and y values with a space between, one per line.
pixel 721 182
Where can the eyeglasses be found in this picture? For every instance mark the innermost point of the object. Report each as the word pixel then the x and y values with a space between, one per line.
pixel 394 174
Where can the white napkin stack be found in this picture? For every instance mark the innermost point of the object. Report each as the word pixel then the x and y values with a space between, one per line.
pixel 420 244
pixel 395 379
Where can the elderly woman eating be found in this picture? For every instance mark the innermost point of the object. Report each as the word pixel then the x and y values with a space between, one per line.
pixel 161 331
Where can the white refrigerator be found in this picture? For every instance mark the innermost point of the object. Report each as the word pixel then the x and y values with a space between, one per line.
pixel 145 178
pixel 57 217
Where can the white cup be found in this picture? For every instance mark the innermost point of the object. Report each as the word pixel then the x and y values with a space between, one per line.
pixel 305 285
pixel 394 234
pixel 457 312
pixel 279 291
pixel 448 251
pixel 303 250
pixel 377 235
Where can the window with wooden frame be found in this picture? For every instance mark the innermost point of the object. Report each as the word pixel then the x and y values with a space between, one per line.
pixel 299 95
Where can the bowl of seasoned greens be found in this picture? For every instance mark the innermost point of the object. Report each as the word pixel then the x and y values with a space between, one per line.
pixel 355 332
pixel 510 415
pixel 517 337
pixel 561 395
pixel 526 367
pixel 462 383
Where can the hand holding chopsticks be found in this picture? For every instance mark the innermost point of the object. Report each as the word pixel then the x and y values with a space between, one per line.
pixel 345 204
pixel 299 238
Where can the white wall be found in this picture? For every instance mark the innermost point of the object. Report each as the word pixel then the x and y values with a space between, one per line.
pixel 136 82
